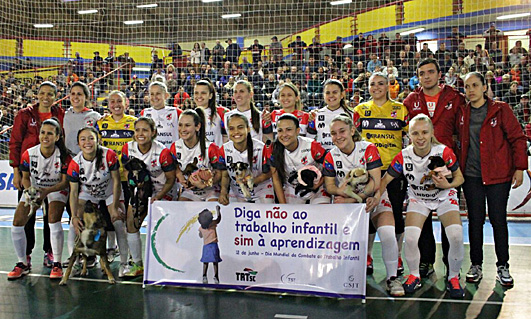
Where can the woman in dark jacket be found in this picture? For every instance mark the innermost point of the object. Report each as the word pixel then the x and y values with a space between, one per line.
pixel 492 158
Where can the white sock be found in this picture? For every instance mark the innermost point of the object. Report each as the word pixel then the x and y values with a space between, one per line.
pixel 389 249
pixel 400 243
pixel 119 227
pixel 370 244
pixel 457 250
pixel 71 239
pixel 19 242
pixel 411 250
pixel 57 238
pixel 111 239
pixel 135 246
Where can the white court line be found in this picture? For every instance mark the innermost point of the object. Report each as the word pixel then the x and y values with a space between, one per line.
pixel 290 316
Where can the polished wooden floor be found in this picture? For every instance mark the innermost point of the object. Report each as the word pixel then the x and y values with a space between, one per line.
pixel 36 296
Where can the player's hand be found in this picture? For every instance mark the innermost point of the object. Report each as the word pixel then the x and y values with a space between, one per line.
pixel 440 181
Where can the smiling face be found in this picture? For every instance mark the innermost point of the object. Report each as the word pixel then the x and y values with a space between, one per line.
pixel 242 96
pixel 187 129
pixel 287 133
pixel 77 97
pixel 157 97
pixel 48 136
pixel 342 136
pixel 378 88
pixel 202 95
pixel 421 134
pixel 116 104
pixel 87 141
pixel 238 130
pixel 144 134
pixel 288 98
pixel 46 96
pixel 333 95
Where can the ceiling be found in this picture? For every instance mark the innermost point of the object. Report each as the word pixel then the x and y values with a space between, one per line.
pixel 171 21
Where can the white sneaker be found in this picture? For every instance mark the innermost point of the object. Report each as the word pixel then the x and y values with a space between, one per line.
pixel 124 269
pixel 394 287
pixel 205 280
pixel 216 280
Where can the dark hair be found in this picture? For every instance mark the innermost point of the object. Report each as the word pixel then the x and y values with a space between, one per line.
pixel 199 119
pixel 428 61
pixel 61 141
pixel 255 113
pixel 250 146
pixel 149 122
pixel 85 89
pixel 481 79
pixel 99 150
pixel 212 100
pixel 48 83
pixel 278 148
pixel 343 102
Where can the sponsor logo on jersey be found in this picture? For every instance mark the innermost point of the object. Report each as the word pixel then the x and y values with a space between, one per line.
pixel 409 167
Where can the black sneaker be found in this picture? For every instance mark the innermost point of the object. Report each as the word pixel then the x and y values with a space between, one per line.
pixel 474 274
pixel 426 270
pixel 455 289
pixel 504 277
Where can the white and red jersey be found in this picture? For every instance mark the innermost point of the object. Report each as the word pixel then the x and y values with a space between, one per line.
pixel 215 127
pixel 94 181
pixel 415 169
pixel 265 127
pixel 158 161
pixel 308 152
pixel 303 117
pixel 44 172
pixel 228 155
pixel 320 126
pixel 184 155
pixel 338 164
pixel 167 122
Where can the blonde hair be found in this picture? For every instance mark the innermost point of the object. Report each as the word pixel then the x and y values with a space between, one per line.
pixel 425 118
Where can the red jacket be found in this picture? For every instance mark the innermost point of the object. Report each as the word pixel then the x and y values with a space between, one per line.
pixel 444 118
pixel 502 143
pixel 25 132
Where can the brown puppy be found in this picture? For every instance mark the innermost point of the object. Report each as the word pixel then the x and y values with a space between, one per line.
pixel 92 241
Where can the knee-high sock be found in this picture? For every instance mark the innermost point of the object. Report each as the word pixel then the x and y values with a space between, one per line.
pixel 57 238
pixel 119 227
pixel 71 239
pixel 111 239
pixel 19 242
pixel 370 244
pixel 389 249
pixel 412 252
pixel 457 250
pixel 400 243
pixel 135 246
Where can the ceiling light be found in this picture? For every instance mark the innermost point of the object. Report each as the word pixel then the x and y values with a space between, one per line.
pixel 87 11
pixel 412 31
pixel 151 5
pixel 231 16
pixel 43 25
pixel 513 16
pixel 336 3
pixel 134 22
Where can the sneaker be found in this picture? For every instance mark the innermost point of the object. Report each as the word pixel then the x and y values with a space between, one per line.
pixel 205 280
pixel 426 270
pixel 91 261
pixel 111 255
pixel 124 268
pixel 474 274
pixel 400 268
pixel 19 271
pixel 370 267
pixel 28 261
pixel 48 259
pixel 216 280
pixel 454 287
pixel 135 270
pixel 394 287
pixel 504 277
pixel 412 283
pixel 57 271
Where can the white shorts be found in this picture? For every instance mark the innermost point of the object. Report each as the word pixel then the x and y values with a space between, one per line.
pixel 441 206
pixel 87 197
pixel 201 195
pixel 383 206
pixel 262 193
pixel 320 197
pixel 59 196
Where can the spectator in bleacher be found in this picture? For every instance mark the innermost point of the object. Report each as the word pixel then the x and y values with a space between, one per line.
pixel 492 35
pixel 512 97
pixel 447 62
pixel 412 40
pixel 97 60
pixel 79 68
pixel 245 65
pixel 450 78
pixel 218 51
pixel 397 44
pixel 126 71
pixel 478 66
pixel 314 50
pixel 495 53
pixel 256 51
pixel 176 53
pixel 373 63
pixel 515 57
pixel 518 48
pixel 425 51
pixel 171 73
pixel 456 38
pixel 230 85
pixel 295 75
pixel 180 97
pixel 233 51
pixel 156 65
pixel 406 70
pixel 358 43
pixel 298 47
pixel 470 59
pixel 394 87
pixel 390 69
pixel 404 94
pixel 275 49
pixel 492 86
pixel 441 52
pixel 383 41
pixel 359 56
pixel 461 50
pixel 522 110
pixel 516 74
pixel 526 78
pixel 314 89
pixel 312 65
pixel 210 73
pixel 410 53
pixel 195 56
pixel 371 46
pixel 205 53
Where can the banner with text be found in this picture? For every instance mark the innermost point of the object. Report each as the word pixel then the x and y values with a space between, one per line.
pixel 8 192
pixel 311 249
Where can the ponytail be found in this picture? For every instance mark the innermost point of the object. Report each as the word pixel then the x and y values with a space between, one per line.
pixel 250 148
pixel 212 100
pixel 255 113
pixel 99 149
pixel 63 150
pixel 279 162
pixel 199 119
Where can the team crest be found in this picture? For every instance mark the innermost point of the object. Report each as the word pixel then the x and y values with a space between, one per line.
pixel 127 126
pixel 448 106
pixel 304 160
pixel 153 163
pixel 169 117
pixel 494 122
pixel 393 114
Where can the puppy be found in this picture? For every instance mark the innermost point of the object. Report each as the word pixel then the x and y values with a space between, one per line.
pixel 31 199
pixel 355 183
pixel 244 178
pixel 140 187
pixel 204 174
pixel 437 167
pixel 306 178
pixel 91 242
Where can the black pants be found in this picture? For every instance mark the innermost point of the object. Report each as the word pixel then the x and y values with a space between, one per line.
pixel 29 229
pixel 396 190
pixel 497 196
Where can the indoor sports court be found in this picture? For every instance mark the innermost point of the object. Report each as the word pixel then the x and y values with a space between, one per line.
pixel 126 45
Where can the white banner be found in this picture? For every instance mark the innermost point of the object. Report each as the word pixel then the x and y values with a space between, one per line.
pixel 310 249
pixel 8 192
